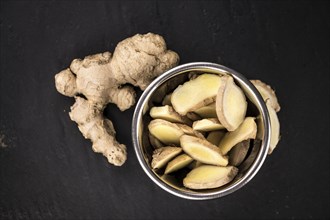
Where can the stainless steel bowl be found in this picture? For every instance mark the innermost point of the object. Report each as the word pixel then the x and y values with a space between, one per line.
pixel 166 83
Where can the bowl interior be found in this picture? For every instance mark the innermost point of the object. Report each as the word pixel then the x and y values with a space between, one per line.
pixel 154 95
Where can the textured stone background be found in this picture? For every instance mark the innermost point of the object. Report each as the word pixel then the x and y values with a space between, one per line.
pixel 48 170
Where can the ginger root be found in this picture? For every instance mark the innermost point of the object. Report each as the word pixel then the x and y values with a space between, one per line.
pixel 103 78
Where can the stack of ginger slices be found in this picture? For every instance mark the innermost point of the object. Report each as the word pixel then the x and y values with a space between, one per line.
pixel 203 126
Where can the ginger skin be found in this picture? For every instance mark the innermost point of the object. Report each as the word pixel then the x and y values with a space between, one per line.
pixel 103 79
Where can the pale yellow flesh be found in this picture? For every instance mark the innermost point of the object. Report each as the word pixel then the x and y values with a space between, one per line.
pixel 275 128
pixel 178 163
pixel 167 132
pixel 155 142
pixel 162 156
pixel 207 124
pixel 202 150
pixel 247 130
pixel 267 93
pixel 215 137
pixel 167 99
pixel 209 177
pixel 207 111
pixel 169 114
pixel 195 93
pixel 238 153
pixel 231 104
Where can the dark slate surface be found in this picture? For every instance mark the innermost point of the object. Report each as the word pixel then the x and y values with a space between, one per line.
pixel 48 170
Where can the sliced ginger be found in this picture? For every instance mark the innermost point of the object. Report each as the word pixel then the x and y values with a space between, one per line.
pixel 189 131
pixel 202 150
pixel 195 93
pixel 162 156
pixel 215 137
pixel 275 127
pixel 207 111
pixel 169 114
pixel 193 116
pixel 167 99
pixel 231 104
pixel 178 163
pixel 247 130
pixel 194 164
pixel 166 132
pixel 169 133
pixel 155 142
pixel 209 177
pixel 267 93
pixel 207 124
pixel 214 106
pixel 238 153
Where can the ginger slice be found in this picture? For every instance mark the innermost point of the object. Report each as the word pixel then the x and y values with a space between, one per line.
pixel 207 124
pixel 238 153
pixel 155 142
pixel 162 156
pixel 247 130
pixel 189 131
pixel 207 111
pixel 267 93
pixel 231 104
pixel 167 100
pixel 178 163
pixel 215 137
pixel 202 150
pixel 169 114
pixel 195 164
pixel 275 127
pixel 167 132
pixel 193 116
pixel 195 93
pixel 193 75
pixel 209 177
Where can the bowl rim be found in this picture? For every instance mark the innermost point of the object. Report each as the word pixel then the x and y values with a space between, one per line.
pixel 216 68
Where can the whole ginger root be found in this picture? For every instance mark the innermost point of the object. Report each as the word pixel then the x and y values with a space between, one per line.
pixel 103 79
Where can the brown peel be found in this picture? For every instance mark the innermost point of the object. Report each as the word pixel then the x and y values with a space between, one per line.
pixel 267 93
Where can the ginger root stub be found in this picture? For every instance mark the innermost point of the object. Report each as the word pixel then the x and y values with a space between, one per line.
pixel 105 78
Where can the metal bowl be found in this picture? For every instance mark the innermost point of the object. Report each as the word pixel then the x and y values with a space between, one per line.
pixel 166 83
